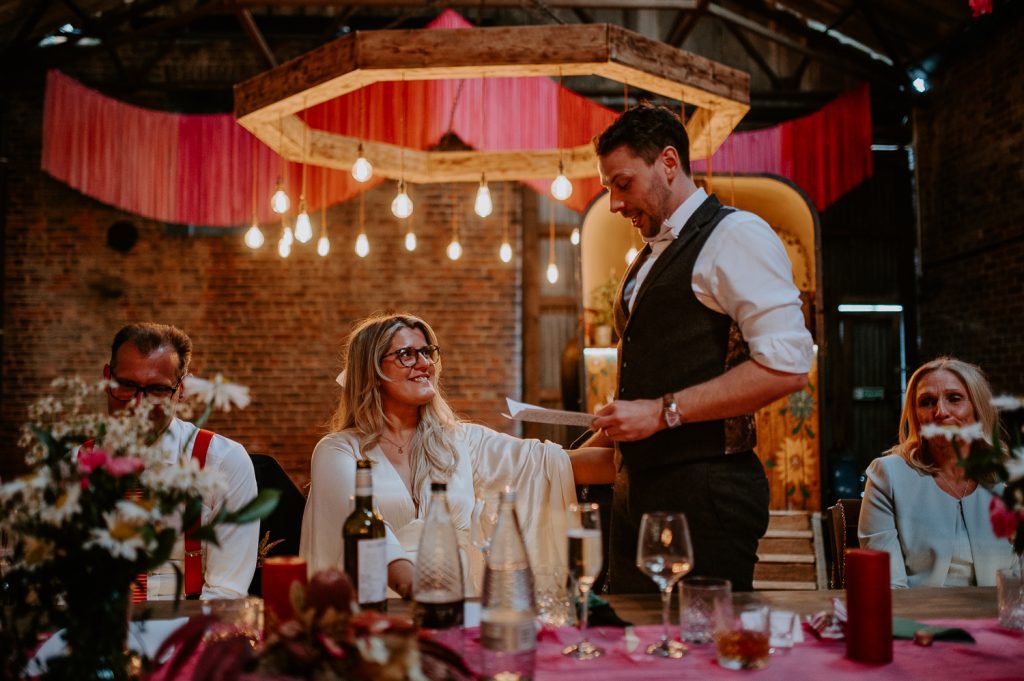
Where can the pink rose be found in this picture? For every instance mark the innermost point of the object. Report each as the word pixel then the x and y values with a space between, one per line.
pixel 90 460
pixel 1004 521
pixel 124 465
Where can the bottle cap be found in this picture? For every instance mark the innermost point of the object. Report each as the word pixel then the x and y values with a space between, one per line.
pixel 438 486
pixel 364 463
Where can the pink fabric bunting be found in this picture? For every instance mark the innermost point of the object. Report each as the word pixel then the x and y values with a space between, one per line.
pixel 192 169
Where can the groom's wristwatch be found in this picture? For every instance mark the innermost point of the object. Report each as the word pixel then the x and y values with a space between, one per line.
pixel 673 419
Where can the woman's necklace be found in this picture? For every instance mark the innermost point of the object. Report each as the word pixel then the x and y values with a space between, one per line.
pixel 401 447
pixel 958 493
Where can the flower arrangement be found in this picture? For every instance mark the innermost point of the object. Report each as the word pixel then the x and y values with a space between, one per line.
pixel 330 639
pixel 85 520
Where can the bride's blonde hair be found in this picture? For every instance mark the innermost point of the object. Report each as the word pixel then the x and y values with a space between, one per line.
pixel 361 408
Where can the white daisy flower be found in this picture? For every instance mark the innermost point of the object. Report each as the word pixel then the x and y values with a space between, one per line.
pixel 1007 402
pixel 219 392
pixel 66 506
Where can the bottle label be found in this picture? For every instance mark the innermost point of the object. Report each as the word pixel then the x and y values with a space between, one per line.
pixel 373 573
pixel 508 636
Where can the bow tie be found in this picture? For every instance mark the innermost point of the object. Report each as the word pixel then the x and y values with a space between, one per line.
pixel 664 235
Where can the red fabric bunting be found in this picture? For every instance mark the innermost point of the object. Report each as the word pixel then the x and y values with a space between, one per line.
pixel 198 170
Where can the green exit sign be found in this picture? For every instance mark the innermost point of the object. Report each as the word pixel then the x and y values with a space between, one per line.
pixel 866 393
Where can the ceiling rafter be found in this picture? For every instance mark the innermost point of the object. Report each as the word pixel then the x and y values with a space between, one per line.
pixel 685 22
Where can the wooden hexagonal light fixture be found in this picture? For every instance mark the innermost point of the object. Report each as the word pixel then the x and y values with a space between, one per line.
pixel 267 104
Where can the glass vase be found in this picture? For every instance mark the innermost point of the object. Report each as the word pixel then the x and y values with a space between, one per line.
pixel 96 633
pixel 1010 589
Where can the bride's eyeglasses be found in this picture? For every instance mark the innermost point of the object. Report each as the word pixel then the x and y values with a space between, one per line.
pixel 408 356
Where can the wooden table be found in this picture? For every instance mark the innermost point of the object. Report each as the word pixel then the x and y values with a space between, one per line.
pixel 919 604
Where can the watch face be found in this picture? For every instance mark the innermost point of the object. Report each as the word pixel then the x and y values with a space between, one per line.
pixel 671 418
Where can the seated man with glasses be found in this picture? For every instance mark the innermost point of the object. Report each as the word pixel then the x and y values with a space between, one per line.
pixel 152 360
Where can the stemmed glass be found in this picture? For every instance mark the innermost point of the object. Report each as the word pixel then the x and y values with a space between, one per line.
pixel 585 560
pixel 482 522
pixel 664 554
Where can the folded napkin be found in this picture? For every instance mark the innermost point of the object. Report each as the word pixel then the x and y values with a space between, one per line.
pixel 904 628
pixel 601 614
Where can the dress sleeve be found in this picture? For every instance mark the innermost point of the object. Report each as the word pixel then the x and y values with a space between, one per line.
pixel 230 566
pixel 331 499
pixel 877 526
pixel 540 474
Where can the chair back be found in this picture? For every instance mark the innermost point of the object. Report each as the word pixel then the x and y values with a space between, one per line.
pixel 285 523
pixel 839 524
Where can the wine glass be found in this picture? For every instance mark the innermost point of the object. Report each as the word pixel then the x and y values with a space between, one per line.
pixel 585 559
pixel 664 554
pixel 482 522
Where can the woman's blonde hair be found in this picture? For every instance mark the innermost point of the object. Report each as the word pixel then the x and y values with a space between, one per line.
pixel 361 407
pixel 911 446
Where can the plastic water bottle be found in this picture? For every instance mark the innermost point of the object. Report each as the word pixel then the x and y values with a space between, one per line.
pixel 437 587
pixel 508 634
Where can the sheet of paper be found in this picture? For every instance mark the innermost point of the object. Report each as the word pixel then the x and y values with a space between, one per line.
pixel 521 411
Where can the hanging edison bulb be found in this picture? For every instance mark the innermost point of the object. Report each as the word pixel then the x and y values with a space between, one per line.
pixel 401 207
pixel 362 245
pixel 454 249
pixel 279 202
pixel 505 251
pixel 552 273
pixel 631 255
pixel 561 188
pixel 410 241
pixel 284 246
pixel 574 237
pixel 303 227
pixel 361 169
pixel 254 236
pixel 323 246
pixel 483 205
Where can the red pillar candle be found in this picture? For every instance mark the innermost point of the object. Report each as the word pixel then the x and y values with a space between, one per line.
pixel 868 607
pixel 279 573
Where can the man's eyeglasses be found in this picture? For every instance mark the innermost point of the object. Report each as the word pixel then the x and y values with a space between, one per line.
pixel 126 391
pixel 408 357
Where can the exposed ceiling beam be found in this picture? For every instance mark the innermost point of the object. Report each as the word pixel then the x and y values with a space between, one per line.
pixel 819 46
pixel 256 37
pixel 685 22
pixel 753 53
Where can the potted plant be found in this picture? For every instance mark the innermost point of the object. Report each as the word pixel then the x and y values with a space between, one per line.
pixel 601 313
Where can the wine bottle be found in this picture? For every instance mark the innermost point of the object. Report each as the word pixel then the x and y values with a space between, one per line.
pixel 365 545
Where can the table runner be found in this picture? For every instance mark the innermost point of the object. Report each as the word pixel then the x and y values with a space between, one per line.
pixel 997 654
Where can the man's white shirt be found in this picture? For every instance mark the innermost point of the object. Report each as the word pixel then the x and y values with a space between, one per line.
pixel 743 271
pixel 228 568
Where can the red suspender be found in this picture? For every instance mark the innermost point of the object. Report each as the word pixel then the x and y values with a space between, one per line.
pixel 193 547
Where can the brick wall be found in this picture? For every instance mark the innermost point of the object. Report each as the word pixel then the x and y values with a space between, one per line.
pixel 272 324
pixel 970 141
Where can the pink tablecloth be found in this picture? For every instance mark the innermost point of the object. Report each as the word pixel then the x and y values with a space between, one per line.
pixel 998 654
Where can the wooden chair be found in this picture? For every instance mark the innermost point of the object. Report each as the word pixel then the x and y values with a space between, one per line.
pixel 791 553
pixel 839 526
